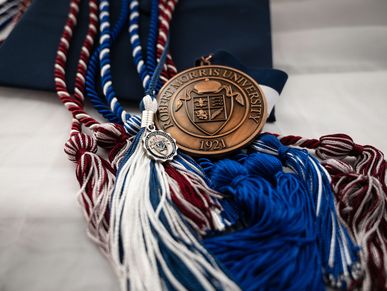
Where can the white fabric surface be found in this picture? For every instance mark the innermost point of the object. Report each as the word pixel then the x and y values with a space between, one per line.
pixel 335 53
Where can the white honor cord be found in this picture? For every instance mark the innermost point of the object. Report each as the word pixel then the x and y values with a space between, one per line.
pixel 271 95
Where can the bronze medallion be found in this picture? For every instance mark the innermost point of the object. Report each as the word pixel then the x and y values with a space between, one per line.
pixel 211 110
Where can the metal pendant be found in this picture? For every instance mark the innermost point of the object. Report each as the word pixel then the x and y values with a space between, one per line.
pixel 211 109
pixel 159 145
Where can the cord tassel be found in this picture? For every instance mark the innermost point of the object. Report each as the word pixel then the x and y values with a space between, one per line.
pixel 275 246
pixel 339 255
pixel 287 222
pixel 96 178
pixel 358 179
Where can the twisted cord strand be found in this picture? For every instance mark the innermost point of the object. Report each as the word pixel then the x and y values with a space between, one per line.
pixel 75 102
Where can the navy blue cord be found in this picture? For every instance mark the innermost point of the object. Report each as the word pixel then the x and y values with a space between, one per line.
pixel 152 88
pixel 152 38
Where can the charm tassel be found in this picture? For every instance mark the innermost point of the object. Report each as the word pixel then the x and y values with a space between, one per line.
pixel 149 238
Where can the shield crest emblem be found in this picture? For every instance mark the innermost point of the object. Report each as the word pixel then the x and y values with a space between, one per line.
pixel 209 105
pixel 209 111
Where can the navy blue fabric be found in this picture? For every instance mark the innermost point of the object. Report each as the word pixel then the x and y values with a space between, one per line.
pixel 199 27
pixel 273 78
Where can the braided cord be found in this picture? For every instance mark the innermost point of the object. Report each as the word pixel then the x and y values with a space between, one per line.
pixel 24 4
pixel 8 11
pixel 111 108
pixel 75 102
pixel 135 43
pixel 11 12
pixel 152 88
pixel 166 9
pixel 8 6
pixel 152 38
pixel 106 38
